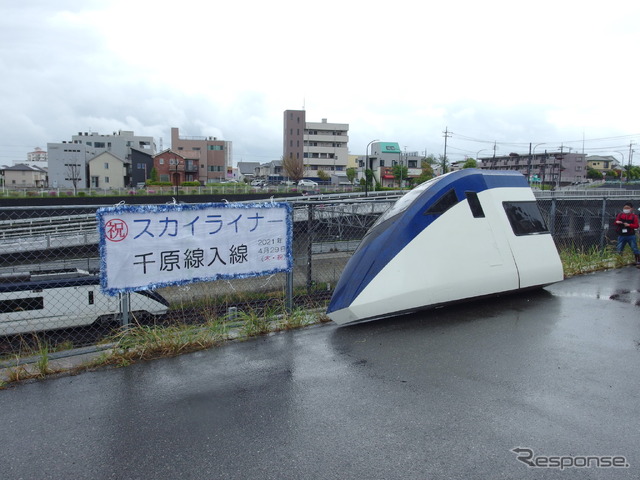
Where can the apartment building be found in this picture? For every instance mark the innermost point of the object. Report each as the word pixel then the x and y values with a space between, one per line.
pixel 550 168
pixel 211 157
pixel 318 145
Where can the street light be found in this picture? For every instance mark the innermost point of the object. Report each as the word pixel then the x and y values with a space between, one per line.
pixel 366 167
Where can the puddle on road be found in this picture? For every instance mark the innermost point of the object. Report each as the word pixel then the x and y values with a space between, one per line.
pixel 621 295
pixel 627 296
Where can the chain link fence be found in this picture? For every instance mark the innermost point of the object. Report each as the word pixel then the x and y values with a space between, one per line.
pixel 49 268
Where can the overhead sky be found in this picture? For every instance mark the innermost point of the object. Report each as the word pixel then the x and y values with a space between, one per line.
pixel 492 73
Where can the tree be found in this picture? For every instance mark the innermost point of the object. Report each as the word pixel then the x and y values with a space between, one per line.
pixel 368 178
pixel 444 162
pixel 324 176
pixel 351 174
pixel 470 163
pixel 293 168
pixel 594 174
pixel 430 160
pixel 153 176
pixel 427 172
pixel 400 172
pixel 73 174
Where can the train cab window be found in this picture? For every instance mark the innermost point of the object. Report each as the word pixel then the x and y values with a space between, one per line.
pixel 525 218
pixel 21 304
pixel 444 203
pixel 474 204
pixel 91 300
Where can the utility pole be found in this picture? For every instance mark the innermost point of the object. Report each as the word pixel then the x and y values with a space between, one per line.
pixel 629 164
pixel 493 161
pixel 444 159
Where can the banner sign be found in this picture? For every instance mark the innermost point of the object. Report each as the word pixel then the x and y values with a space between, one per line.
pixel 151 246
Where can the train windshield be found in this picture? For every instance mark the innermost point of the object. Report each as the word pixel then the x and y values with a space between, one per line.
pixel 403 202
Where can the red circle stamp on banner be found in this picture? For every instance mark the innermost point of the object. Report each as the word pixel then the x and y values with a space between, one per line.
pixel 116 230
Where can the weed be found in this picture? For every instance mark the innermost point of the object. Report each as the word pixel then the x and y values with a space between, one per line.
pixel 296 319
pixel 253 324
pixel 577 260
pixel 42 364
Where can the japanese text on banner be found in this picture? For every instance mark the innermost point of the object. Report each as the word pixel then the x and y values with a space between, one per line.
pixel 145 247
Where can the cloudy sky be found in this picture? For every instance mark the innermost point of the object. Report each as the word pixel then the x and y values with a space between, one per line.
pixel 495 72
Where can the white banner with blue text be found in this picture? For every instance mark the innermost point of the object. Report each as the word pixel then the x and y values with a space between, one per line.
pixel 151 246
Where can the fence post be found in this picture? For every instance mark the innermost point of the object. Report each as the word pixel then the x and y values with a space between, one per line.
pixel 289 292
pixel 603 224
pixel 125 307
pixel 309 247
pixel 288 299
pixel 552 216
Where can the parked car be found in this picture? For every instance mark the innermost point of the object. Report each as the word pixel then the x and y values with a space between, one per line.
pixel 258 183
pixel 287 182
pixel 307 183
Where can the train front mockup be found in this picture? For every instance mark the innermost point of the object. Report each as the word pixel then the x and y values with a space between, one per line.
pixel 467 234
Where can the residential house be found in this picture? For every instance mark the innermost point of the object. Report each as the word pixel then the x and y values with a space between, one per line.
pixel 24 176
pixel 175 168
pixel 248 171
pixel 107 171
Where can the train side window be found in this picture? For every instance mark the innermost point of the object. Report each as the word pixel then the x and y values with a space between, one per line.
pixel 21 304
pixel 444 203
pixel 474 204
pixel 525 218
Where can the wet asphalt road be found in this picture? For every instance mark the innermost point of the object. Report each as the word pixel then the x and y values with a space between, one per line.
pixel 440 394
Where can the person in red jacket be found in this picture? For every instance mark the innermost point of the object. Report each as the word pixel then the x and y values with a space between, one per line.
pixel 626 225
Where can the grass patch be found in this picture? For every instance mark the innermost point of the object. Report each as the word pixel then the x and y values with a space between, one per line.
pixel 145 342
pixel 576 260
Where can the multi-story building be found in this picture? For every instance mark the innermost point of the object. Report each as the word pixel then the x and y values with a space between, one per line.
pixel 37 158
pixel 175 168
pixel 383 156
pixel 550 168
pixel 210 157
pixel 141 166
pixel 318 145
pixel 68 160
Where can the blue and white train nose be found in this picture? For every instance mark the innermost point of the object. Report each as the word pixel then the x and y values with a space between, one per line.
pixel 463 235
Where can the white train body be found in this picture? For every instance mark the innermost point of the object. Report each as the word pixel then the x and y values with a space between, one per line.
pixel 490 239
pixel 32 302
